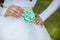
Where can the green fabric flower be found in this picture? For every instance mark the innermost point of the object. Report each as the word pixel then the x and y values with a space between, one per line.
pixel 29 16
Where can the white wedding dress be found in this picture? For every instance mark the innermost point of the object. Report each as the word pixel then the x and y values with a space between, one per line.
pixel 16 29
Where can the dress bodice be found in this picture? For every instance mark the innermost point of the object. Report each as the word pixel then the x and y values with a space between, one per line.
pixel 21 3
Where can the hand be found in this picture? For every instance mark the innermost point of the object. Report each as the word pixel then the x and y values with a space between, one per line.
pixel 14 11
pixel 38 20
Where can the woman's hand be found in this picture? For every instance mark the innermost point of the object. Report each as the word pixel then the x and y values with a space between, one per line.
pixel 14 11
pixel 38 20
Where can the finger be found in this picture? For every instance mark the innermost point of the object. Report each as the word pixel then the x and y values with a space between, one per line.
pixel 22 10
pixel 36 21
pixel 10 13
pixel 40 23
pixel 19 8
pixel 14 15
pixel 17 11
pixel 19 16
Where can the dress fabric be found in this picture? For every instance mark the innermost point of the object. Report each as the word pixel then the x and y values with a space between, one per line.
pixel 17 29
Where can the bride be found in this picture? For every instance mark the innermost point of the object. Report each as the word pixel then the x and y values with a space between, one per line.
pixel 13 27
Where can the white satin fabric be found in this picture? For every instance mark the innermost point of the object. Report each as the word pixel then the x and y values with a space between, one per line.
pixel 21 3
pixel 17 29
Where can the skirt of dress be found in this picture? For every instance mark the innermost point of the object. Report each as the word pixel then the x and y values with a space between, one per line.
pixel 17 29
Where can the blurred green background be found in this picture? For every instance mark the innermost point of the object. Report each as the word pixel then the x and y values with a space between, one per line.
pixel 52 24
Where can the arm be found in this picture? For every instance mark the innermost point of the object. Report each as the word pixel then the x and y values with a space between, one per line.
pixel 50 10
pixel 2 9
